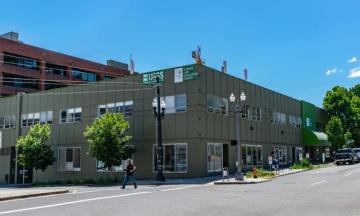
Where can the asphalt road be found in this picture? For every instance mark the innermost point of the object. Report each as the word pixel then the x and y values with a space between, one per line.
pixel 327 191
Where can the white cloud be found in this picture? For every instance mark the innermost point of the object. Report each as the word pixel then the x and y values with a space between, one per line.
pixel 352 60
pixel 354 73
pixel 331 71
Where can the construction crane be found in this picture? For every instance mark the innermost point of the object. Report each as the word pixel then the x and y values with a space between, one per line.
pixel 196 55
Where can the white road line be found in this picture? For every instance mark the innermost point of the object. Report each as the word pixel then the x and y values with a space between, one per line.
pixel 320 182
pixel 347 174
pixel 73 202
pixel 180 188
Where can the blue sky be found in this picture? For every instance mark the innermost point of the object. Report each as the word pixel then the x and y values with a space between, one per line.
pixel 300 48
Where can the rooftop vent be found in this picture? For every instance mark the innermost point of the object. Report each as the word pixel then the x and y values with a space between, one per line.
pixel 14 36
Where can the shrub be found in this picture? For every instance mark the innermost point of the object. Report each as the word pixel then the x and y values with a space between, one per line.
pixel 260 173
pixel 303 164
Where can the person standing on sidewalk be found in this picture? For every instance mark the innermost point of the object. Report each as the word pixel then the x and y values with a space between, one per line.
pixel 129 175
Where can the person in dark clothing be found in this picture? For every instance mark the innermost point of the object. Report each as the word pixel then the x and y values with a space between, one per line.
pixel 129 175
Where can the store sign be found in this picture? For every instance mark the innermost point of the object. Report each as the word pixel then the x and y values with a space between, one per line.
pixel 150 78
pixel 184 74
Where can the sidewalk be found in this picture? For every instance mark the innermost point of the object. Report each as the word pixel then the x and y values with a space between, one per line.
pixel 8 193
pixel 282 172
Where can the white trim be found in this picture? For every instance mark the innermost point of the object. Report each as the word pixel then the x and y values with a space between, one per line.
pixel 164 144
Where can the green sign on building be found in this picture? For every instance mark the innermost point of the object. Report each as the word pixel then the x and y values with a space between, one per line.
pixel 150 78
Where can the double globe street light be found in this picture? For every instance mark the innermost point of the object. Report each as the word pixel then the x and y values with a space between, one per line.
pixel 159 114
pixel 238 175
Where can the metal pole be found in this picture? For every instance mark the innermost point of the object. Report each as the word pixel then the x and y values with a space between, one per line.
pixel 160 175
pixel 239 175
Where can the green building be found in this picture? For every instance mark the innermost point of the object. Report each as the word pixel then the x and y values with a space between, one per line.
pixel 198 129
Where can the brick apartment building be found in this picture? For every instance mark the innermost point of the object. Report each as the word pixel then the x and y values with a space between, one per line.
pixel 26 68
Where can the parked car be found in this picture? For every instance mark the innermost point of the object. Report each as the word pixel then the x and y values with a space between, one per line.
pixel 357 152
pixel 343 156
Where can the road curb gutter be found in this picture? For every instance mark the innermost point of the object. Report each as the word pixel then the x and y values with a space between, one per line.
pixel 33 195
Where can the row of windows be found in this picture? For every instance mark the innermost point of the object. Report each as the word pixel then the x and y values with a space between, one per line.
pixel 175 159
pixel 280 118
pixel 20 61
pixel 7 121
pixel 126 108
pixel 217 104
pixel 32 119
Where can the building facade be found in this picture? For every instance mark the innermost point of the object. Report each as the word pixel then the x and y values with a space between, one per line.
pixel 198 129
pixel 25 68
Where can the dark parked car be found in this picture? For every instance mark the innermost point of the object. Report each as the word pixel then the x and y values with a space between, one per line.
pixel 343 156
pixel 357 152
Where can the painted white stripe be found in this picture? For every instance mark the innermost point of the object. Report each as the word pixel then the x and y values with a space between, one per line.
pixel 347 174
pixel 180 188
pixel 70 203
pixel 320 182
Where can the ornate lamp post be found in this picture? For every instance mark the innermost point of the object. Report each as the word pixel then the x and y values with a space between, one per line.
pixel 238 175
pixel 159 114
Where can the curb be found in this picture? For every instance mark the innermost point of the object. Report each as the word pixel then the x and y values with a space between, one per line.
pixel 300 171
pixel 33 195
pixel 240 182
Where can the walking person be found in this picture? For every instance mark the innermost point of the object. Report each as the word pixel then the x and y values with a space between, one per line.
pixel 129 175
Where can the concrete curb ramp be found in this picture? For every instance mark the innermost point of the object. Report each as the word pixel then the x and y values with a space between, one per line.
pixel 36 194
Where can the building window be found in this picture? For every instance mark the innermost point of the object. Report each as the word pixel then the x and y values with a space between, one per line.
pixel 20 81
pixel 126 108
pixel 108 77
pixel 279 118
pixel 7 121
pixel 256 113
pixel 32 119
pixel 69 159
pixel 245 112
pixel 217 104
pixel 100 167
pixel 19 61
pixel 298 122
pixel 308 122
pixel 280 152
pixel 251 155
pixel 55 69
pixel 214 157
pixel 83 75
pixel 174 103
pixel 70 115
pixel 175 157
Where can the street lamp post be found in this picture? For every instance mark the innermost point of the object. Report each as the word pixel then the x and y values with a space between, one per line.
pixel 238 175
pixel 159 114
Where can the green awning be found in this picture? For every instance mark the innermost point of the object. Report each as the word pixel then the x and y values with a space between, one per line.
pixel 315 138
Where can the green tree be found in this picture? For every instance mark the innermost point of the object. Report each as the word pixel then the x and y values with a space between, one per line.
pixel 107 139
pixel 335 132
pixel 345 104
pixel 33 153
pixel 337 103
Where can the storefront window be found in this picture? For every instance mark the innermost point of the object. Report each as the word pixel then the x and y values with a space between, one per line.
pixel 251 155
pixel 175 157
pixel 215 155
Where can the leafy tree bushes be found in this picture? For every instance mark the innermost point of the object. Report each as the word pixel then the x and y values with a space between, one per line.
pixel 107 139
pixel 33 153
pixel 344 104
